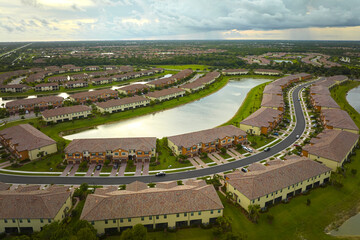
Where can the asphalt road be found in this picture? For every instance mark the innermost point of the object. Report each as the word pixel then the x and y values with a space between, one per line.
pixel 287 142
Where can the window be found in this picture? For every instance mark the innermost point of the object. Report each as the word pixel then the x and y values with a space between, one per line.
pixel 139 153
pixel 114 221
pixel 28 220
pixel 142 218
pixel 192 214
pixel 106 221
pixel 157 216
pixel 194 148
pixel 185 214
pixel 199 213
pixel 5 220
pixel 177 215
pixel 129 219
pixel 41 220
pixel 150 218
pixel 188 149
pixel 20 220
pixel 165 216
pixel 92 223
pixel 123 153
pixel 212 212
pixel 49 220
pixel 116 154
pixel 121 220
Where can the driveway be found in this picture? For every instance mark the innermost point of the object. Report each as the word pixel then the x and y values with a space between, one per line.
pixel 91 169
pixel 146 168
pixel 138 168
pixel 219 157
pixel 194 163
pixel 212 157
pixel 97 172
pixel 74 169
pixel 201 163
pixel 122 168
pixel 114 171
pixel 66 170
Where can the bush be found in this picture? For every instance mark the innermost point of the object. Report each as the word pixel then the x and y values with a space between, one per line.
pixel 223 150
pixel 308 202
pixel 353 171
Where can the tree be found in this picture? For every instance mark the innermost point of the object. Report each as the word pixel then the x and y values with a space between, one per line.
pixel 223 150
pixel 139 232
pixel 254 212
pixel 127 235
pixel 86 234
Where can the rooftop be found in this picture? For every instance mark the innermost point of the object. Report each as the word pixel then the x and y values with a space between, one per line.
pixel 262 117
pixel 122 101
pixel 65 110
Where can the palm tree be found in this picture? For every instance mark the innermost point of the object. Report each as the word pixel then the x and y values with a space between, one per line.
pixel 254 212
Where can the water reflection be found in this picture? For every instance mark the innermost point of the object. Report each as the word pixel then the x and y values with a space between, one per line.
pixel 353 98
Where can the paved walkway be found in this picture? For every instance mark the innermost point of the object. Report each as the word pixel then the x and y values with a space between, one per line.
pixel 74 169
pixel 194 163
pixel 91 169
pixel 114 171
pixel 146 168
pixel 201 163
pixel 122 169
pixel 232 154
pixel 239 155
pixel 138 168
pixel 97 172
pixel 5 164
pixel 212 157
pixel 219 157
pixel 66 170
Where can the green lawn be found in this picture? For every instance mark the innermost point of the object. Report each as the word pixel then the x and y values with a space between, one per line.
pixel 182 67
pixel 224 155
pixel 206 160
pixel 106 168
pixel 130 166
pixel 43 165
pixel 258 141
pixel 63 89
pixel 166 157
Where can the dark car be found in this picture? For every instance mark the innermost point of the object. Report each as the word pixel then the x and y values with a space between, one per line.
pixel 267 149
pixel 98 167
pixel 244 170
pixel 160 174
pixel 116 166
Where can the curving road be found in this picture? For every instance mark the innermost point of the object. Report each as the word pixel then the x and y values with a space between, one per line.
pixel 287 142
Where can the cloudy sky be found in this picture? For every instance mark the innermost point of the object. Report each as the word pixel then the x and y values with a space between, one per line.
pixel 44 20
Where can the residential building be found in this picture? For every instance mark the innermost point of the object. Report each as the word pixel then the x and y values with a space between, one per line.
pixel 55 69
pixel 97 150
pixel 76 84
pixel 263 121
pixel 37 77
pixel 319 89
pixel 119 105
pixel 273 101
pixel 267 72
pixel 235 71
pixel 30 104
pixel 133 88
pixel 321 102
pixel 100 81
pixel 47 87
pixel 14 88
pixel 28 209
pixel 280 180
pixel 193 86
pixel 165 94
pixel 273 89
pixel 59 78
pixel 167 205
pixel 66 113
pixel 108 67
pixel 338 119
pixel 26 142
pixel 210 140
pixel 94 96
pixel 92 68
pixel 162 82
pixel 81 76
pixel 331 147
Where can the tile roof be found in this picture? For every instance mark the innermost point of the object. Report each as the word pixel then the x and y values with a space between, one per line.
pixel 104 144
pixel 32 204
pixel 272 100
pixel 33 101
pixel 206 136
pixel 122 101
pixel 65 110
pixel 27 137
pixel 332 144
pixel 191 197
pixel 258 183
pixel 324 101
pixel 134 87
pixel 93 93
pixel 164 92
pixel 267 70
pixel 272 89
pixel 338 118
pixel 262 117
pixel 47 85
pixel 234 70
pixel 319 89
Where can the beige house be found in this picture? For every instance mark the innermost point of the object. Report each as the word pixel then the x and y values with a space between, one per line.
pixel 119 105
pixel 28 209
pixel 14 88
pixel 66 113
pixel 47 87
pixel 331 147
pixel 267 72
pixel 167 205
pixel 26 142
pixel 338 119
pixel 279 180
pixel 100 81
pixel 235 71
pixel 273 101
pixel 165 94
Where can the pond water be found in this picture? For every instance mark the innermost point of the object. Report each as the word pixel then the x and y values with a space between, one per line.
pixel 205 113
pixel 349 228
pixel 353 98
pixel 280 61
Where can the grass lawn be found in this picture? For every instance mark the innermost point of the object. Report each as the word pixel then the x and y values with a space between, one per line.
pixel 182 67
pixel 166 157
pixel 130 166
pixel 258 141
pixel 206 160
pixel 106 168
pixel 70 90
pixel 42 165
pixel 241 151
pixel 224 155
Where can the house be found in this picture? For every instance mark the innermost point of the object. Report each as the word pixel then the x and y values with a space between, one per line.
pixel 76 84
pixel 235 71
pixel 55 69
pixel 210 140
pixel 193 86
pixel 319 89
pixel 30 104
pixel 267 72
pixel 321 102
pixel 59 78
pixel 109 67
pixel 263 121
pixel 26 142
pixel 92 68
pixel 162 82
pixel 93 96
pixel 37 77
pixel 126 68
pixel 280 180
pixel 100 81
pixel 47 87
pixel 273 89
pixel 133 89
pixel 97 150
pixel 165 94
pixel 209 78
pixel 66 113
pixel 14 88
pixel 119 105
pixel 331 147
pixel 273 101
pixel 338 119
pixel 167 205
pixel 28 209
pixel 80 76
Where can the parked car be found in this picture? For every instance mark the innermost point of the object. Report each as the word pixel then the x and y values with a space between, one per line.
pixel 297 136
pixel 297 145
pixel 98 167
pixel 267 149
pixel 276 134
pixel 116 166
pixel 160 174
pixel 244 170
